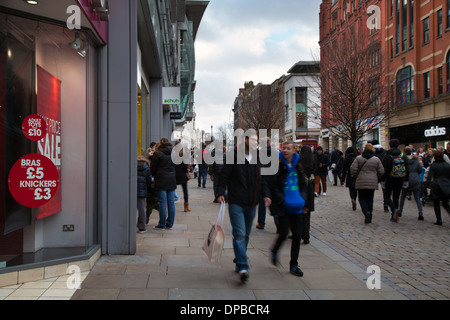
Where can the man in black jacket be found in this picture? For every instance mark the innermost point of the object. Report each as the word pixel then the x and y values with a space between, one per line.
pixel 244 183
pixel 380 153
pixel 395 172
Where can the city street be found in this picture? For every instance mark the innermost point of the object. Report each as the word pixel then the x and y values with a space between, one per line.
pixel 412 255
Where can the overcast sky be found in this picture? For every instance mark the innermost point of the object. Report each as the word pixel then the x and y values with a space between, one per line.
pixel 248 40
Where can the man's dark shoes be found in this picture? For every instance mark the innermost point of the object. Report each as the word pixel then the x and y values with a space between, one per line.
pixel 296 271
pixel 244 275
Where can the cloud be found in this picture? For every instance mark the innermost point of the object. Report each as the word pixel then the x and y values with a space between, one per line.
pixel 251 40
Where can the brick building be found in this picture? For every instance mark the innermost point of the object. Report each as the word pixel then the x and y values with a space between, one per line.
pixel 418 43
pixel 350 36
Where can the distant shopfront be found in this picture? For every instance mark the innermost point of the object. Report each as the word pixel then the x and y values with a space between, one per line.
pixel 432 134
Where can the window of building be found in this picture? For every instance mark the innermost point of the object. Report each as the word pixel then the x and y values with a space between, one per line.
pixel 411 24
pixel 392 48
pixel 301 108
pixel 397 30
pixel 426 85
pixel 50 71
pixel 405 85
pixel 439 23
pixel 404 24
pixel 426 30
pixel 392 8
pixel 448 71
pixel 334 18
pixel 440 81
pixel 448 14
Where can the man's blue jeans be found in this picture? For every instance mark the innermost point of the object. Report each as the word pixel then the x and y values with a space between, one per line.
pixel 241 219
pixel 166 201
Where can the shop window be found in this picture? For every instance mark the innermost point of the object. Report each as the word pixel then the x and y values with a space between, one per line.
pixel 440 81
pixel 405 85
pixel 49 71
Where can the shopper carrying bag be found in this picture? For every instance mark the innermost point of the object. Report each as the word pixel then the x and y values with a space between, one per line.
pixel 214 241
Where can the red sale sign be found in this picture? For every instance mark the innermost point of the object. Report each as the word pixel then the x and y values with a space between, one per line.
pixel 34 127
pixel 49 108
pixel 33 180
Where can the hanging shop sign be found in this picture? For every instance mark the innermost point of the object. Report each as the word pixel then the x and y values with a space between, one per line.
pixel 33 180
pixel 435 132
pixel 171 95
pixel 34 127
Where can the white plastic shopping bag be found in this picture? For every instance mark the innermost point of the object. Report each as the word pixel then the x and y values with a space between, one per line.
pixel 213 245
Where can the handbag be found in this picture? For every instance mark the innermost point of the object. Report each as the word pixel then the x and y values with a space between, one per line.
pixel 215 239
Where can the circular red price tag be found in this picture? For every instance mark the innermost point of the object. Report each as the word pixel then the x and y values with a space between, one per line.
pixel 34 127
pixel 33 180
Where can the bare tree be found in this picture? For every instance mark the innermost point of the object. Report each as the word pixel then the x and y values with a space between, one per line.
pixel 352 89
pixel 260 109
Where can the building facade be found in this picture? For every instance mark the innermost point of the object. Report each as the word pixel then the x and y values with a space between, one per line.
pixel 414 47
pixel 302 103
pixel 353 27
pixel 91 76
pixel 418 43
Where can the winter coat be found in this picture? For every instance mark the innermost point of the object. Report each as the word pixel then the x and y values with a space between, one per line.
pixel 163 169
pixel 415 169
pixel 439 176
pixel 277 182
pixel 180 172
pixel 350 156
pixel 371 172
pixel 325 161
pixel 337 157
pixel 243 183
pixel 144 178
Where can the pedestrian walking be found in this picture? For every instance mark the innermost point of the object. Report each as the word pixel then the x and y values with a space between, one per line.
pixel 289 192
pixel 182 177
pixel 243 183
pixel 439 178
pixel 144 181
pixel 381 153
pixel 261 221
pixel 216 168
pixel 395 172
pixel 307 162
pixel 367 170
pixel 322 162
pixel 337 162
pixel 202 169
pixel 413 183
pixel 163 170
pixel 350 156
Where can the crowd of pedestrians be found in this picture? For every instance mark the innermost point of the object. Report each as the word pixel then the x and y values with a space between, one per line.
pixel 290 193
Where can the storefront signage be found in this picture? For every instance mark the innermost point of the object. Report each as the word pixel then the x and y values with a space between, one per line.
pixel 325 133
pixel 171 95
pixel 97 13
pixel 34 127
pixel 33 180
pixel 435 131
pixel 175 115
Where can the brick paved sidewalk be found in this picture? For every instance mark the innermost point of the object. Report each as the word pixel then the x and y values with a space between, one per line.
pixel 413 255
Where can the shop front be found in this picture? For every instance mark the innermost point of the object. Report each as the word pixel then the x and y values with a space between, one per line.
pixel 48 142
pixel 429 134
